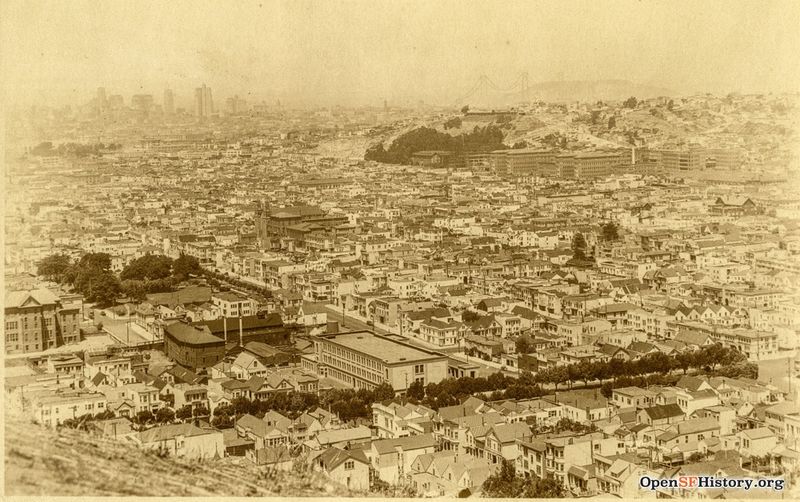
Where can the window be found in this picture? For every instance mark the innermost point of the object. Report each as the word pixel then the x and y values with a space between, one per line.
pixel 419 368
pixel 349 465
pixel 11 325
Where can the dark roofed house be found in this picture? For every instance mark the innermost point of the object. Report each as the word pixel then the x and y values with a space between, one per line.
pixel 693 384
pixel 733 206
pixel 661 414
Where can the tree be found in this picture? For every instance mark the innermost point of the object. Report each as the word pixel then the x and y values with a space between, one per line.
pixel 612 122
pixel 610 231
pixel 522 345
pixel 184 266
pixel 453 123
pixel 684 360
pixel 545 488
pixel 54 267
pixel 558 375
pixel 578 246
pixel 670 105
pixel 383 392
pixel 184 413
pixel 464 110
pixel 631 102
pixel 503 483
pixel 144 417
pixel 416 391
pixel 470 316
pixel 165 415
pixel 95 261
pixel 101 288
pixel 148 267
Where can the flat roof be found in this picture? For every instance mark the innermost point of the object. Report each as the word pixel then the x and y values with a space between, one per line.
pixel 380 347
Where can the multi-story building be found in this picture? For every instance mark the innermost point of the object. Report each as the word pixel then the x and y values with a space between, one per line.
pixel 233 304
pixel 52 408
pixel 37 320
pixel 203 103
pixel 589 165
pixel 756 345
pixel 442 334
pixel 193 347
pixel 365 360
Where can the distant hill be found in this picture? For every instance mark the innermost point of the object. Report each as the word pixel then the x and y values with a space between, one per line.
pixel 590 90
pixel 565 91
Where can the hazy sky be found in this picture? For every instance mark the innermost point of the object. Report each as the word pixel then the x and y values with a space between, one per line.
pixel 364 51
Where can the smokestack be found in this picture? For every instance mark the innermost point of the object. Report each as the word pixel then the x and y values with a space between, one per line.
pixel 225 326
pixel 240 329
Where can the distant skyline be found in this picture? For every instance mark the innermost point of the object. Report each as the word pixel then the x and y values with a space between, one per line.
pixel 365 52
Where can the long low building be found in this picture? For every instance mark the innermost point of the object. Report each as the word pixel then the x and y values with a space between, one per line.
pixel 365 360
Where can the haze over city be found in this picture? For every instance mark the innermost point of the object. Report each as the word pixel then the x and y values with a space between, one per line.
pixel 322 53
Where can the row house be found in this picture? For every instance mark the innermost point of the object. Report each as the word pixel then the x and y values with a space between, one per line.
pixel 395 420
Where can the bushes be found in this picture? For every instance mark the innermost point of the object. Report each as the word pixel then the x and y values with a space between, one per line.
pixel 506 484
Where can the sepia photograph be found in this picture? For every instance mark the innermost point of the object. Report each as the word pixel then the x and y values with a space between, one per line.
pixel 401 248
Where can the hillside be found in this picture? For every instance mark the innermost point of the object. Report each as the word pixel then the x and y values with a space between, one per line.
pixel 41 462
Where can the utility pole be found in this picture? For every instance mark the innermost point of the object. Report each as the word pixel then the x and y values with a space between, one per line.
pixel 241 336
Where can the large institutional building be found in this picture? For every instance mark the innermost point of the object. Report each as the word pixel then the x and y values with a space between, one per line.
pixel 365 360
pixel 37 320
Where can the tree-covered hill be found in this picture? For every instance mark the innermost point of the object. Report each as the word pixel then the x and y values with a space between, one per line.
pixel 481 139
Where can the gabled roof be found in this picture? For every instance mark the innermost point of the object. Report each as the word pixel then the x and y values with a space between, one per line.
pixel 334 457
pixel 192 335
pixel 758 433
pixel 17 299
pixel 420 441
pixel 507 433
pixel 341 435
pixel 662 411
pixel 690 383
pixel 642 347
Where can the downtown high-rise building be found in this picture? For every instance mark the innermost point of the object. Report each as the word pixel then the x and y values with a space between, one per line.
pixel 169 102
pixel 142 102
pixel 101 98
pixel 204 106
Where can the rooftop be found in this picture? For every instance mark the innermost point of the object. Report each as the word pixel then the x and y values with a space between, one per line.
pixel 381 347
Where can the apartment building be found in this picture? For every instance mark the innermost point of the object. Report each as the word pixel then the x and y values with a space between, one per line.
pixel 52 408
pixel 756 345
pixel 233 304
